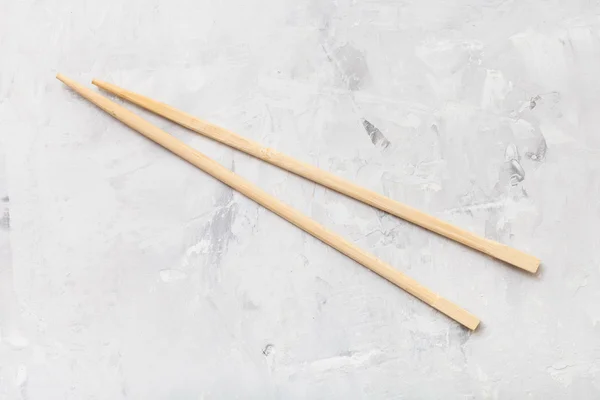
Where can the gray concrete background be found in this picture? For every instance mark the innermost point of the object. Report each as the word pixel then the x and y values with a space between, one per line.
pixel 126 273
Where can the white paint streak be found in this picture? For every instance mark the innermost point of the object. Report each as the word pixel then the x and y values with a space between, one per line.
pixel 342 362
pixel 554 134
pixel 495 90
pixel 172 275
pixel 21 376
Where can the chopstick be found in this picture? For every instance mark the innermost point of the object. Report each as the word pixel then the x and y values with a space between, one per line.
pixel 253 192
pixel 489 247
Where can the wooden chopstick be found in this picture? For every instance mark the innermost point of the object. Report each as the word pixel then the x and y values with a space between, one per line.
pixel 489 247
pixel 266 200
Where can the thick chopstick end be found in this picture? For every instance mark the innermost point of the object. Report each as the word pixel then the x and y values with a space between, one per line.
pixel 521 259
pixel 458 314
pixel 534 265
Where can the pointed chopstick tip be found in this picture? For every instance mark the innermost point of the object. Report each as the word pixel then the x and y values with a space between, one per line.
pixel 108 87
pixel 104 85
pixel 69 82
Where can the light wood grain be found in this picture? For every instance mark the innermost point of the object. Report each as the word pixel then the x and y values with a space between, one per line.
pixel 490 247
pixel 266 200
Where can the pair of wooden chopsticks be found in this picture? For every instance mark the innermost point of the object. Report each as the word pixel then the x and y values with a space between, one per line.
pixel 500 251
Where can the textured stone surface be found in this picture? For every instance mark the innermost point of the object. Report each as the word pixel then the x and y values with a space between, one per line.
pixel 126 273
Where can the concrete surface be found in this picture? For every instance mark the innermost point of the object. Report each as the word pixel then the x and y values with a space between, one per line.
pixel 126 273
